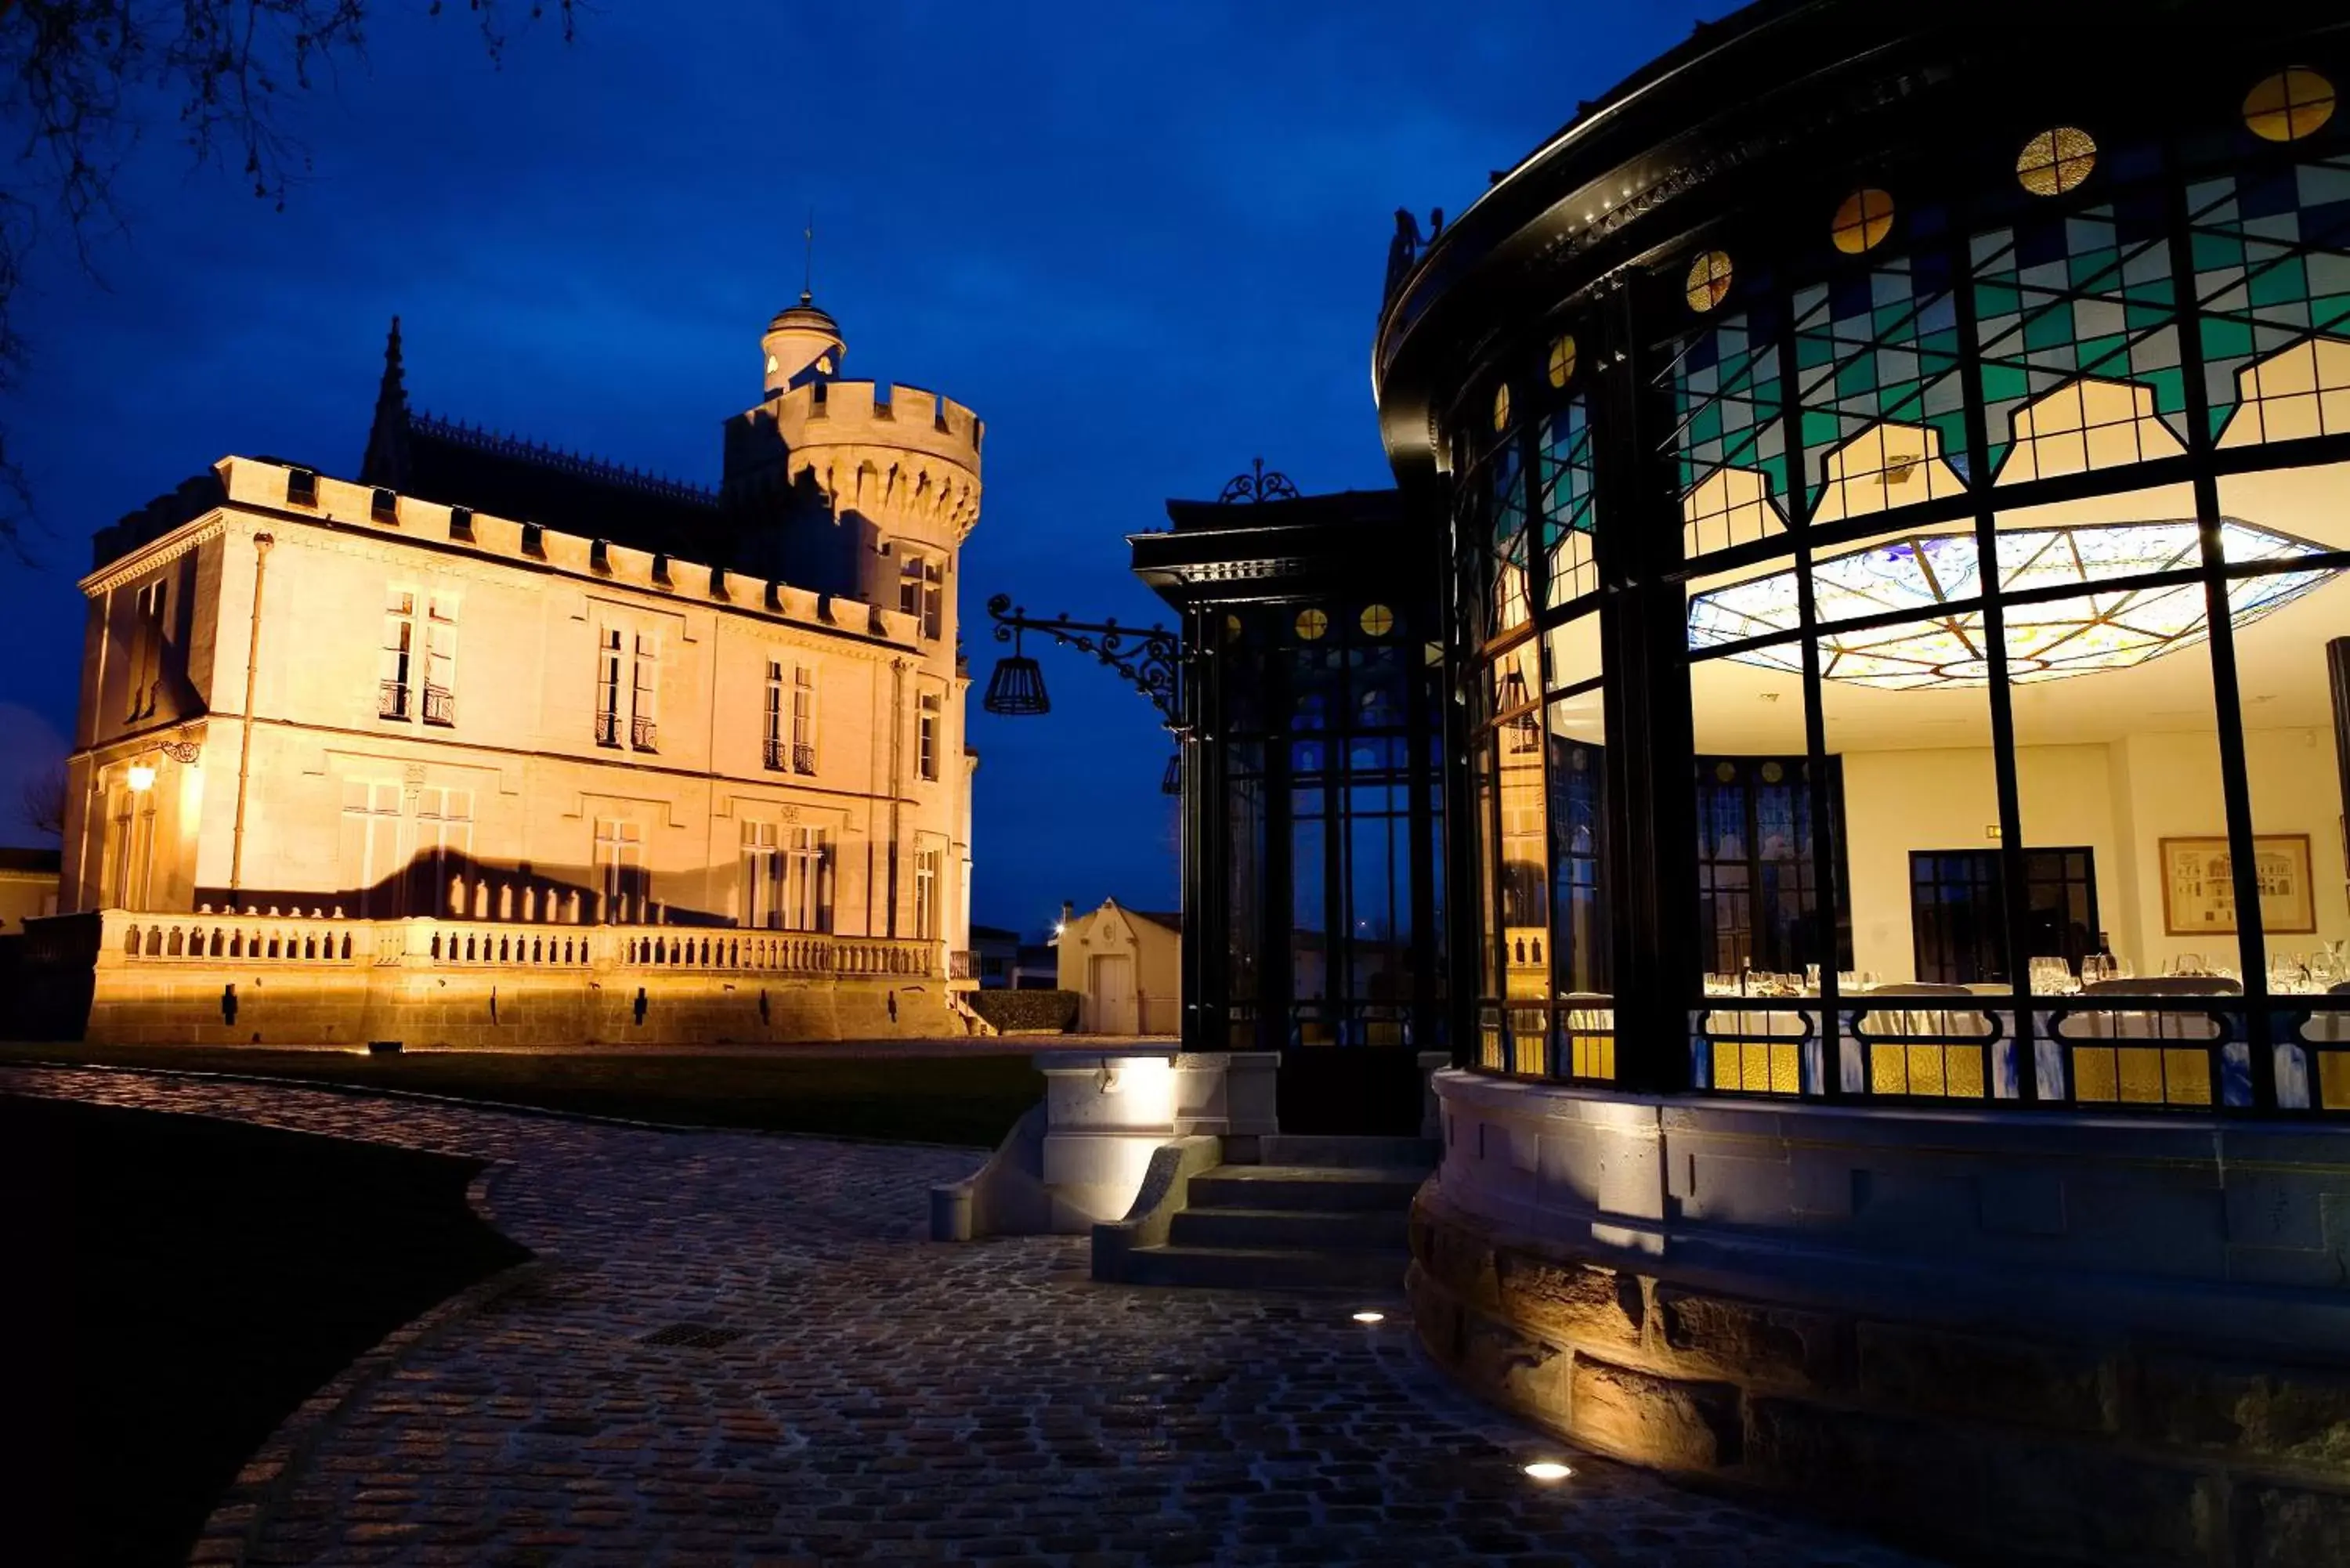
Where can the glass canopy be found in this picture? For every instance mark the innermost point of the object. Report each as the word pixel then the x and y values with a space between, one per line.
pixel 2078 634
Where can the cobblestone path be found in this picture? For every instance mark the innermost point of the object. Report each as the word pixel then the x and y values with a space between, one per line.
pixel 887 1399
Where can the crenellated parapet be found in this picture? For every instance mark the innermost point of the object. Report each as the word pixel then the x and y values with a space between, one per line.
pixel 900 455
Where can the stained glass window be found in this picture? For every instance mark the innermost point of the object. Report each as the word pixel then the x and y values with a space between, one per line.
pixel 1708 284
pixel 2291 104
pixel 1569 509
pixel 2271 255
pixel 1562 360
pixel 2068 295
pixel 1876 376
pixel 2057 161
pixel 1507 604
pixel 1862 222
pixel 1502 408
pixel 2110 629
pixel 1728 438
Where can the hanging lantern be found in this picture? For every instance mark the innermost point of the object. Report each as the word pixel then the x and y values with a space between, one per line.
pixel 1173 782
pixel 1016 690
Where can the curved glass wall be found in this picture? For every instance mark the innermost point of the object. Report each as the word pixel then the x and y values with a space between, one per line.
pixel 2002 508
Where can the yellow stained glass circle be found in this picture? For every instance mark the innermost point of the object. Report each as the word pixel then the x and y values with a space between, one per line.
pixel 1312 623
pixel 1377 620
pixel 1562 360
pixel 2291 104
pixel 1502 406
pixel 2057 161
pixel 1863 221
pixel 1708 281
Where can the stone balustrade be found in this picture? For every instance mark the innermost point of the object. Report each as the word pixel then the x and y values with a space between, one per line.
pixel 325 979
pixel 428 942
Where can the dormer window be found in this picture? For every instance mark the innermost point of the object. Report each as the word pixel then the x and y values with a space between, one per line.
pixel 533 540
pixel 384 507
pixel 661 569
pixel 717 582
pixel 301 487
pixel 461 522
pixel 600 556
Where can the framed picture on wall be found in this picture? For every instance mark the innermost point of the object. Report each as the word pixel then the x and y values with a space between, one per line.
pixel 2198 885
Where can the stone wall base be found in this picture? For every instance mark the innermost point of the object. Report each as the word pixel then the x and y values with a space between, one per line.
pixel 2008 1443
pixel 192 1006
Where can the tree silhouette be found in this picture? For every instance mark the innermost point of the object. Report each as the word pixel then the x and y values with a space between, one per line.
pixel 83 81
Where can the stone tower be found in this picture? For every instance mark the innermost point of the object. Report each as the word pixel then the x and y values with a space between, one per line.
pixel 861 489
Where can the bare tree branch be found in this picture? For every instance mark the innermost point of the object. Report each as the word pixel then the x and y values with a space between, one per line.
pixel 81 81
pixel 43 803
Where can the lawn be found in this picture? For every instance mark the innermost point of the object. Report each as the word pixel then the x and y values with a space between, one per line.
pixel 968 1098
pixel 174 1287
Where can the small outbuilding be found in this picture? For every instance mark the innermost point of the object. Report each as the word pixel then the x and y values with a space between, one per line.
pixel 1126 966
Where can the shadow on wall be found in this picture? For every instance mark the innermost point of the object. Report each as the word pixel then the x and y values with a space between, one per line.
pixel 463 888
pixel 786 528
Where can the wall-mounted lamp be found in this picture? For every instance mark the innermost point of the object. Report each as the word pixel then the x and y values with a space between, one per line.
pixel 141 777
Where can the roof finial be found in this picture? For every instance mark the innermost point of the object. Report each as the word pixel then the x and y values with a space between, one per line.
pixel 807 269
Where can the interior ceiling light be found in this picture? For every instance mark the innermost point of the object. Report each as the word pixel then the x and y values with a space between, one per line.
pixel 2100 628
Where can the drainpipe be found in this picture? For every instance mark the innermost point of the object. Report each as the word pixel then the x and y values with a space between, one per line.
pixel 260 543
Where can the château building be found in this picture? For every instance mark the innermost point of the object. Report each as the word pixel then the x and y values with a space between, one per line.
pixel 488 702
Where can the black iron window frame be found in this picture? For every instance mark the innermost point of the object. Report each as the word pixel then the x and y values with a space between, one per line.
pixel 1643 584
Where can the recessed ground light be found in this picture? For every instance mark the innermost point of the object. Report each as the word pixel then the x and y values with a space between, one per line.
pixel 1547 1471
pixel 1370 1318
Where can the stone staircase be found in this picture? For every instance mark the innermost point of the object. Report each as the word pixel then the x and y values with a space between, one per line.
pixel 1315 1213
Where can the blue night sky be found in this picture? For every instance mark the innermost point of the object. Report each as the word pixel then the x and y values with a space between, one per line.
pixel 1144 241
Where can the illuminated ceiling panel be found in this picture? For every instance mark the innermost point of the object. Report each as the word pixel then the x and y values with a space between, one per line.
pixel 2097 629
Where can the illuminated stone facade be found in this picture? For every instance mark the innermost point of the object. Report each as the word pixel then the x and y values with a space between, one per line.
pixel 499 695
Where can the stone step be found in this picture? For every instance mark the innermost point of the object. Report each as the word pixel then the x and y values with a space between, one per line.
pixel 1358 1153
pixel 1370 1230
pixel 1320 1189
pixel 1265 1268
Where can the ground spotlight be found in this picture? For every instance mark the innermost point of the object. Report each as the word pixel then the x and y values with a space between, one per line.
pixel 1370 1318
pixel 1547 1471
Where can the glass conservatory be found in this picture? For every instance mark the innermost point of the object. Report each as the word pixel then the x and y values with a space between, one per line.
pixel 1900 617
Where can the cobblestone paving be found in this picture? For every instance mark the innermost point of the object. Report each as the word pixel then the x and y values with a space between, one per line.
pixel 893 1401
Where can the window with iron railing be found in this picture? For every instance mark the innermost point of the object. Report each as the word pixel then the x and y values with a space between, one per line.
pixel 396 672
pixel 803 720
pixel 776 753
pixel 644 692
pixel 608 662
pixel 441 660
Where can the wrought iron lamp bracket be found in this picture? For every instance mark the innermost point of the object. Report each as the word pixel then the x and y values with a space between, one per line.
pixel 1151 661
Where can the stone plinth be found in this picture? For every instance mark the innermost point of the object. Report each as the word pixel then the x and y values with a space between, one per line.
pixel 2004 1335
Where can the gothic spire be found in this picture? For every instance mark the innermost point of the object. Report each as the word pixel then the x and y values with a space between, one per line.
pixel 386 462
